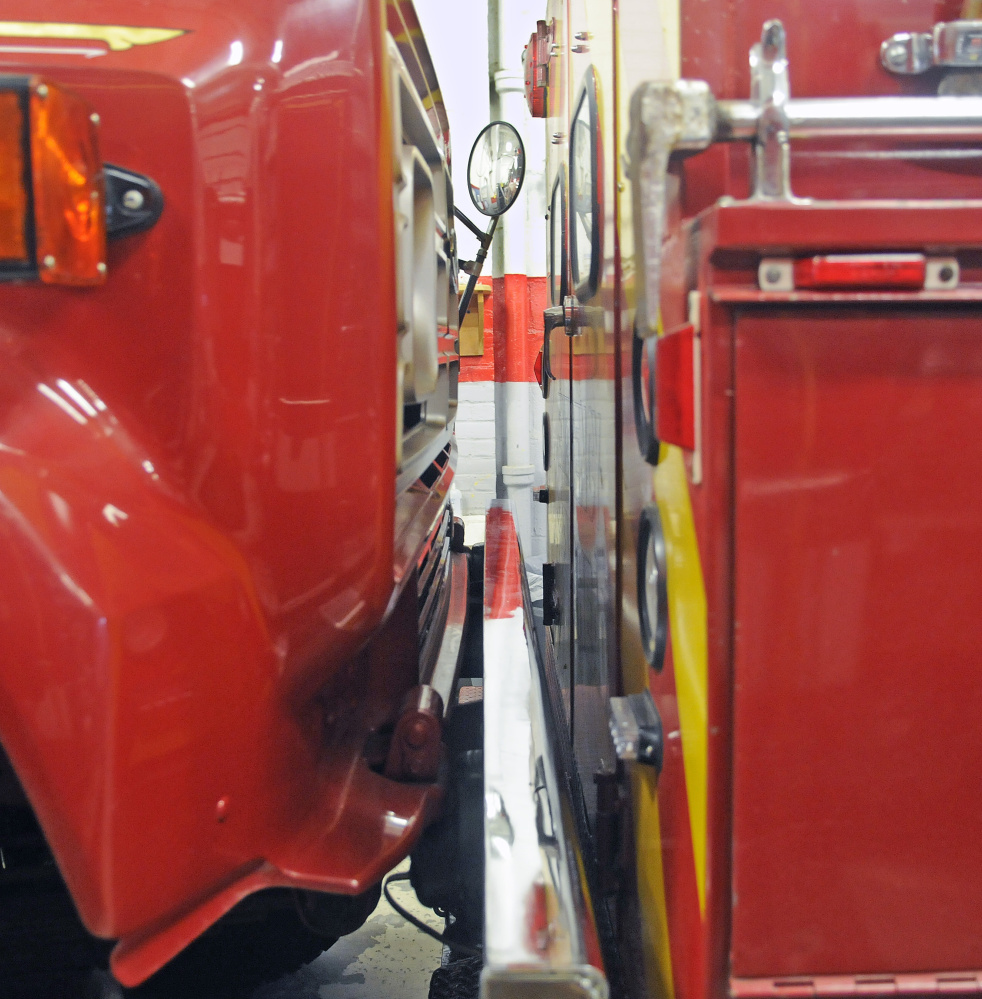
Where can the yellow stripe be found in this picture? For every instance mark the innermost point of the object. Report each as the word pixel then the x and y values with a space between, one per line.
pixel 117 36
pixel 651 883
pixel 687 619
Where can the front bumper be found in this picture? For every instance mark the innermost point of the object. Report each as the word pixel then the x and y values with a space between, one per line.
pixel 540 937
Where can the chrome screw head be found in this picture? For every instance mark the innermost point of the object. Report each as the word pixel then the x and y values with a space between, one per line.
pixel 133 199
pixel 896 55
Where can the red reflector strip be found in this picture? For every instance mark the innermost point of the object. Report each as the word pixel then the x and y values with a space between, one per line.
pixel 675 388
pixel 537 367
pixel 872 270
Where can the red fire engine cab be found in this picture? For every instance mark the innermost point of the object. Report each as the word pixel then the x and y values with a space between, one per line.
pixel 232 589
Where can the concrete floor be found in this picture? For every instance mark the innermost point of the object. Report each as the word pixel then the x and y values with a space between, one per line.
pixel 387 958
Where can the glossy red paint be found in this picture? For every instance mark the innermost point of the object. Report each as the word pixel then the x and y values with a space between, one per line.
pixel 197 477
pixel 675 388
pixel 502 578
pixel 519 302
pixel 872 353
pixel 859 537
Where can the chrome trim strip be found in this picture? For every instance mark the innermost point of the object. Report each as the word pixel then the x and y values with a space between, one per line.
pixel 540 938
pixel 443 676
pixel 434 612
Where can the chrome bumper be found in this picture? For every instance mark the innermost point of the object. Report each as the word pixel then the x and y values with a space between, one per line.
pixel 540 938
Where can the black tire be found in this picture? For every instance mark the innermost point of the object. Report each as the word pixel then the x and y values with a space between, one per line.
pixel 45 951
pixel 457 980
pixel 236 955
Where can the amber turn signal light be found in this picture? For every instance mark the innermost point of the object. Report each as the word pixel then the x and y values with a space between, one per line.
pixel 52 212
pixel 13 193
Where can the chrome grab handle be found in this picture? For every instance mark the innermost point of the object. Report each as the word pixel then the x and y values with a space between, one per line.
pixel 916 118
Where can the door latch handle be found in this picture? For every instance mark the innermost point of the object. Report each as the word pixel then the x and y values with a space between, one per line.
pixel 636 729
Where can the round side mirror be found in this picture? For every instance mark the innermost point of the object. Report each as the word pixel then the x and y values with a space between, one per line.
pixel 496 168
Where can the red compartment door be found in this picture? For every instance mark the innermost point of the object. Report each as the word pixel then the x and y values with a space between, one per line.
pixel 858 640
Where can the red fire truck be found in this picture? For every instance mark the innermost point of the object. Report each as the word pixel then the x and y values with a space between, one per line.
pixel 756 762
pixel 740 755
pixel 233 591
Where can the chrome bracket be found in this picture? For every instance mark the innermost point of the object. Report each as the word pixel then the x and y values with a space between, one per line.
pixel 770 89
pixel 636 729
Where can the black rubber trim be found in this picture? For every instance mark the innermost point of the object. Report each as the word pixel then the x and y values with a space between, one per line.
pixel 644 419
pixel 126 221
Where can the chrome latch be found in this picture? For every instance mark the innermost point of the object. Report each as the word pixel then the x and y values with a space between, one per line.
pixel 636 729
pixel 955 44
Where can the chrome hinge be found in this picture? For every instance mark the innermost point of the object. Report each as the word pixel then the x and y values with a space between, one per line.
pixel 953 44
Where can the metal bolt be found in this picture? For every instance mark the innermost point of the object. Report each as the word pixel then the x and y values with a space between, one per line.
pixel 558 137
pixel 133 199
pixel 897 54
pixel 417 732
pixel 772 275
pixel 582 36
pixel 553 51
pixel 49 262
pixel 101 267
pixel 94 118
pixel 946 273
pixel 581 48
pixel 42 90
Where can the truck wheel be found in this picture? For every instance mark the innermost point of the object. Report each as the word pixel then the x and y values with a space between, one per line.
pixel 456 980
pixel 239 953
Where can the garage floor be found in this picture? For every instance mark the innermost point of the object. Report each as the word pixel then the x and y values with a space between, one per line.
pixel 387 958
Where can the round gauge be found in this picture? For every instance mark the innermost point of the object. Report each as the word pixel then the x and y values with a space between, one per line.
pixel 652 587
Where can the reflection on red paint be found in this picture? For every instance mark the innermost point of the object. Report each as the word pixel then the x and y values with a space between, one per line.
pixel 502 573
pixel 675 388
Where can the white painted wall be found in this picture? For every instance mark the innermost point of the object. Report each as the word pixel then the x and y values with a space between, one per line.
pixel 457 37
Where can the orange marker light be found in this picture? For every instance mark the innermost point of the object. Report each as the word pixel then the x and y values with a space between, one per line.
pixel 70 217
pixel 13 195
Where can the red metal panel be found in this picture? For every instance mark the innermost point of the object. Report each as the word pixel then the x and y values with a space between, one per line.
pixel 858 649
pixel 847 986
pixel 675 388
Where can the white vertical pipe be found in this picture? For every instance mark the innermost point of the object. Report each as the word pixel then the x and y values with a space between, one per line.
pixel 520 252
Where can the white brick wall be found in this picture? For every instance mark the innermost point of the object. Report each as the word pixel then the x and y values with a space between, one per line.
pixel 476 460
pixel 480 441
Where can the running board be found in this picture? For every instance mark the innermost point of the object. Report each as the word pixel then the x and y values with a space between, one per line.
pixel 540 937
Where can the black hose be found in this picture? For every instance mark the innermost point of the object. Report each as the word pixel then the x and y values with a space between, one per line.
pixel 420 925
